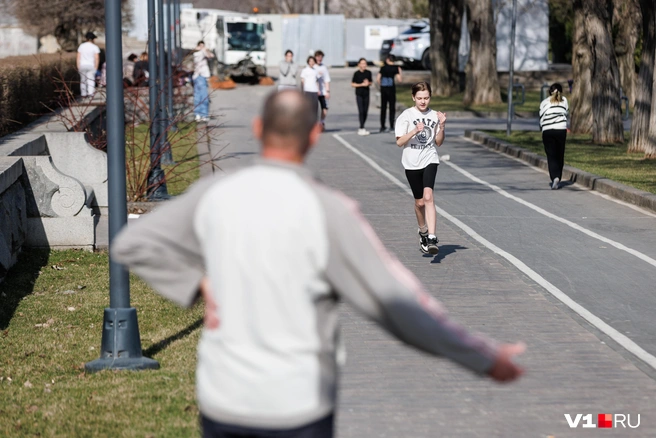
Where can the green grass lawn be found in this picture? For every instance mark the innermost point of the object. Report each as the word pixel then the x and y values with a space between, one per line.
pixel 454 103
pixel 610 161
pixel 51 311
pixel 178 177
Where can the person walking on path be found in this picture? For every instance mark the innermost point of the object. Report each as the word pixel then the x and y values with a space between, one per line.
pixel 310 82
pixel 385 78
pixel 553 122
pixel 200 77
pixel 418 130
pixel 288 70
pixel 324 86
pixel 88 61
pixel 361 81
pixel 267 357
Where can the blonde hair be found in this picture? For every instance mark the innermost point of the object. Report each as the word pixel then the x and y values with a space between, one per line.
pixel 556 93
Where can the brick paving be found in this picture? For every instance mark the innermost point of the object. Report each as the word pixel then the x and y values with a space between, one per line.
pixel 390 390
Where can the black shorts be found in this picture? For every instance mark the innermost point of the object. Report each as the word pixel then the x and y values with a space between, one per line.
pixel 420 179
pixel 323 102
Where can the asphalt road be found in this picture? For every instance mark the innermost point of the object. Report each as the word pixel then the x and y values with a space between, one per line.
pixel 570 272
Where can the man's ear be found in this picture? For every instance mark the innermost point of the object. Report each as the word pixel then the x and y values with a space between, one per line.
pixel 257 128
pixel 315 133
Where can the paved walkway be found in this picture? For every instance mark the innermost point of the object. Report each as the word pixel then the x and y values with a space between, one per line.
pixel 389 390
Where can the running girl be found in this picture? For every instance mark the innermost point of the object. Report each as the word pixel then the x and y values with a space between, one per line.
pixel 418 130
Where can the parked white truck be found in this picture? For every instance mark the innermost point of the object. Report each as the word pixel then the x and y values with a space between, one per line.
pixel 232 36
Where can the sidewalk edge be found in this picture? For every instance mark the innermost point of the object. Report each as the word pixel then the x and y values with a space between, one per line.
pixel 594 182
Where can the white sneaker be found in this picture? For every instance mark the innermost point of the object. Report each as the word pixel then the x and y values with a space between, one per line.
pixel 554 184
pixel 363 132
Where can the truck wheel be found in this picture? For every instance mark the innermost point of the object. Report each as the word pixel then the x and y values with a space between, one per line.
pixel 425 60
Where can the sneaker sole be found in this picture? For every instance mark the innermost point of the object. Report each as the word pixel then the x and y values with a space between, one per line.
pixel 433 250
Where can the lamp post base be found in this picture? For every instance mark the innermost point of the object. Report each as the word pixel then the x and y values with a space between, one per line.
pixel 121 343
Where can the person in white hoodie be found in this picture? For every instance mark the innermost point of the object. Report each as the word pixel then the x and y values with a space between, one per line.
pixel 553 122
pixel 88 61
pixel 267 357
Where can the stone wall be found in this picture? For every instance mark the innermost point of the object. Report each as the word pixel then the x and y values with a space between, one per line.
pixel 53 186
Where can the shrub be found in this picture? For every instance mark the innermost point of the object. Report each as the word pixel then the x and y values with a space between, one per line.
pixel 31 85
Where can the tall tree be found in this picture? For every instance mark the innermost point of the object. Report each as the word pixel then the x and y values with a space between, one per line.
pixel 626 31
pixel 481 78
pixel 445 22
pixel 581 105
pixel 643 126
pixel 67 20
pixel 594 16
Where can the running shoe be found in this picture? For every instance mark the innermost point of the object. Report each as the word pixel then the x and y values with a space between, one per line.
pixel 554 184
pixel 423 242
pixel 432 245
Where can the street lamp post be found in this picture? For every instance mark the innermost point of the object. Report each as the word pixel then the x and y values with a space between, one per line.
pixel 156 181
pixel 170 24
pixel 164 144
pixel 511 68
pixel 121 344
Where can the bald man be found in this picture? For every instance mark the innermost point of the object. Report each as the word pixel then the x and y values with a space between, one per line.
pixel 267 362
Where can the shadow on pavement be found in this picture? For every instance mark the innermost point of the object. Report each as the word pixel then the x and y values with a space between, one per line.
pixel 446 250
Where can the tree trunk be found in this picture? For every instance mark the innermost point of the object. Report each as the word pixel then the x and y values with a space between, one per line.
pixel 482 81
pixel 626 22
pixel 581 105
pixel 639 141
pixel 593 21
pixel 445 20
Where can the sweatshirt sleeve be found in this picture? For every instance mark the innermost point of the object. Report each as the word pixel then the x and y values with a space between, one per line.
pixel 162 248
pixel 371 279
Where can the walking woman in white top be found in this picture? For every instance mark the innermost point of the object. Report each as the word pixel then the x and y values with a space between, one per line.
pixel 553 122
pixel 310 82
pixel 418 130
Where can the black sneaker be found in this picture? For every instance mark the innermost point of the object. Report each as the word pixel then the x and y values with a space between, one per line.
pixel 423 242
pixel 432 245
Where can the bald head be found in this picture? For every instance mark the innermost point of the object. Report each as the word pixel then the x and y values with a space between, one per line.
pixel 288 115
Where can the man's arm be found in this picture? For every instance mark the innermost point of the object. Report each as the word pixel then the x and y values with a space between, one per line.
pixel 162 247
pixel 365 274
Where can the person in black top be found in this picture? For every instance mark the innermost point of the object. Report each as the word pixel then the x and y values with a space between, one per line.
pixel 140 72
pixel 361 81
pixel 385 79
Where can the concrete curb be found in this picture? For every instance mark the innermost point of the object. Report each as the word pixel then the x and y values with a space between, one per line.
pixel 593 182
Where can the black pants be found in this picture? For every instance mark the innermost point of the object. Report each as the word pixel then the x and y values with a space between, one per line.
pixel 420 179
pixel 554 147
pixel 363 107
pixel 387 95
pixel 319 429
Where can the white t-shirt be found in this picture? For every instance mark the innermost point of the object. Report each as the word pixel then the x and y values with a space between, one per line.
pixel 310 78
pixel 324 78
pixel 88 52
pixel 420 150
pixel 201 66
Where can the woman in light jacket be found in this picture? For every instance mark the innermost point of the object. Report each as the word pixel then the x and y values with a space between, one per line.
pixel 288 71
pixel 553 122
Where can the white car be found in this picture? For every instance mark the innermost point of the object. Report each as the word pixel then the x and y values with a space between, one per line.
pixel 411 46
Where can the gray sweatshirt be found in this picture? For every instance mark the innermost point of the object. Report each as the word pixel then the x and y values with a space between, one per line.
pixel 288 72
pixel 280 249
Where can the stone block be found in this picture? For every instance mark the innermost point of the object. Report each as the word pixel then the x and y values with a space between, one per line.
pixel 72 155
